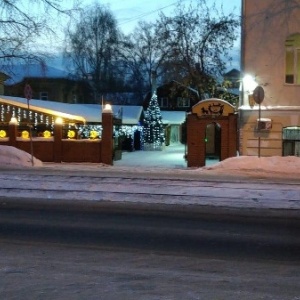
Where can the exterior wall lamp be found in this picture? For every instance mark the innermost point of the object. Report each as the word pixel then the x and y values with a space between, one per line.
pixel 249 85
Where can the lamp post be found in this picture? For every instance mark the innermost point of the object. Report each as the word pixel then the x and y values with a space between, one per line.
pixel 258 96
pixel 28 95
pixel 107 135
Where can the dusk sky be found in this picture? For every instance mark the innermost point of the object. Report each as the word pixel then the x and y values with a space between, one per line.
pixel 129 12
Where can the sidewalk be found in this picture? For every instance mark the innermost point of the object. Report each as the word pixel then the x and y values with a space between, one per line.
pixel 159 182
pixel 107 189
pixel 171 157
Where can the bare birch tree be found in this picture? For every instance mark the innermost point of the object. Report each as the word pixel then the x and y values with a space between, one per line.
pixel 25 26
pixel 92 46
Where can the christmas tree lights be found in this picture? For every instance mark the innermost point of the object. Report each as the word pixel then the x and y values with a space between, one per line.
pixel 153 126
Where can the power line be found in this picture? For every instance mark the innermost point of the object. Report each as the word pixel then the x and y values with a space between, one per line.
pixel 145 14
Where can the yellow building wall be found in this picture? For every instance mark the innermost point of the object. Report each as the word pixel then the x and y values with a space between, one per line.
pixel 267 25
pixel 270 140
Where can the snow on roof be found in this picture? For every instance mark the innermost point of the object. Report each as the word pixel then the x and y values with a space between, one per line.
pixel 173 117
pixel 40 106
pixel 270 108
pixel 88 113
pixel 92 113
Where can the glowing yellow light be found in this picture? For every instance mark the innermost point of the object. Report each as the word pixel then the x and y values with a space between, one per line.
pixel 59 120
pixel 25 134
pixel 93 134
pixel 2 133
pixel 107 108
pixel 13 121
pixel 249 83
pixel 71 134
pixel 46 134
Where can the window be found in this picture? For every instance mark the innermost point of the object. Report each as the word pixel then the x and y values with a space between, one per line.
pixel 164 102
pixel 44 95
pixel 183 102
pixel 292 59
pixel 291 141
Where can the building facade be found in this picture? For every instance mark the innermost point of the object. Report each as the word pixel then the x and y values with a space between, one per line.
pixel 270 48
pixel 47 83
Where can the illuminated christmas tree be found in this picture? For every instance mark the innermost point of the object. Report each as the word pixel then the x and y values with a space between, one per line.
pixel 153 126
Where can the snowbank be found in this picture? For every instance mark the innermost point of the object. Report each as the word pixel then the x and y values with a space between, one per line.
pixel 272 164
pixel 11 156
pixel 275 166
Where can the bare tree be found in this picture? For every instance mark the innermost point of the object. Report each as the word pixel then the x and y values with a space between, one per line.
pixel 198 39
pixel 192 47
pixel 22 27
pixel 92 46
pixel 144 55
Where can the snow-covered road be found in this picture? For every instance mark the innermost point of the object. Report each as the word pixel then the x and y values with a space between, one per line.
pixel 153 192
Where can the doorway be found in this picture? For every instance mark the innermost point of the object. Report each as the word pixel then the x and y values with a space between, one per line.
pixel 213 142
pixel 291 141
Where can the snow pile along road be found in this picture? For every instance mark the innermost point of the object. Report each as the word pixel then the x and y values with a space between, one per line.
pixel 284 165
pixel 274 166
pixel 11 156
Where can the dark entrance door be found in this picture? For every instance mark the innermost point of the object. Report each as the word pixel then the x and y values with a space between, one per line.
pixel 291 141
pixel 213 141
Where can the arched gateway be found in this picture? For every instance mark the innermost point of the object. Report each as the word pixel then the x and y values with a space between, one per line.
pixel 211 132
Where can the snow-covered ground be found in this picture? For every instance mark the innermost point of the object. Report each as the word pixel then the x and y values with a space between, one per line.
pixel 171 160
pixel 138 174
pixel 13 157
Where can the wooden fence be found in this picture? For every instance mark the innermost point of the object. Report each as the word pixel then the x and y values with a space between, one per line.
pixel 54 147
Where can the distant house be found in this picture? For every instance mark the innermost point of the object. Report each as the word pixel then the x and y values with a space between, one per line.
pixel 122 98
pixel 175 100
pixel 47 83
pixel 174 96
pixel 233 77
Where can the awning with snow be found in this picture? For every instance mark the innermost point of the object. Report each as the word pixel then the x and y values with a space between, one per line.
pixel 86 113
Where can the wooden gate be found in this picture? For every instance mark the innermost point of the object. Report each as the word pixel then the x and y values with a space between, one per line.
pixel 211 131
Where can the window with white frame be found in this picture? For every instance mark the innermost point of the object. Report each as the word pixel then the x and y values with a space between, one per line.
pixel 164 102
pixel 44 95
pixel 292 59
pixel 183 102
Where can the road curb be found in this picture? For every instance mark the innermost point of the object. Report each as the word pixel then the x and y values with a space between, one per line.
pixel 171 210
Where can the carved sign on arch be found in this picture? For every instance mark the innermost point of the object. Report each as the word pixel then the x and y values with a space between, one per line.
pixel 213 107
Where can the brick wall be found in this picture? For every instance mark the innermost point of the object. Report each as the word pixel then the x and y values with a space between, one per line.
pixel 196 133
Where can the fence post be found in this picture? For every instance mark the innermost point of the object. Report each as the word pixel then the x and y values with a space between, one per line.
pixel 107 135
pixel 57 132
pixel 13 132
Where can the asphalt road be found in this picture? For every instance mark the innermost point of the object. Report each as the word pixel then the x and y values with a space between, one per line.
pixel 96 236
pixel 222 237
pixel 48 254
